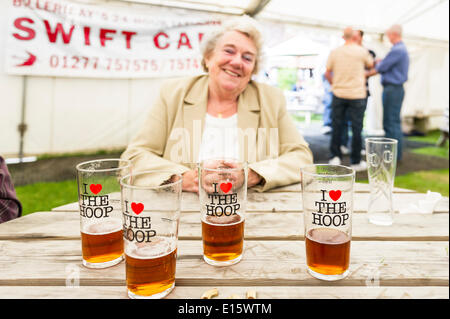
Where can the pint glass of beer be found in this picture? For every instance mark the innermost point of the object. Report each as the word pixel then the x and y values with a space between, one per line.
pixel 151 214
pixel 328 207
pixel 100 211
pixel 223 198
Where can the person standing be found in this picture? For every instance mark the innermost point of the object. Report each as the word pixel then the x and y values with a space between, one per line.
pixel 346 73
pixel 394 72
pixel 358 39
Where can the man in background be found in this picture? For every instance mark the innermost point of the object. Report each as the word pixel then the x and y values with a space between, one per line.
pixel 346 73
pixel 358 39
pixel 394 72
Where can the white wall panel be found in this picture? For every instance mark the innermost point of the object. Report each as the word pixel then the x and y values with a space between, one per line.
pixel 39 111
pixel 89 114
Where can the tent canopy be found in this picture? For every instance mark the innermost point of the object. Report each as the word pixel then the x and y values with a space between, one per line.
pixel 421 19
pixel 297 46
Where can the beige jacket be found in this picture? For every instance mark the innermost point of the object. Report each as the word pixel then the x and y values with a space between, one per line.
pixel 171 136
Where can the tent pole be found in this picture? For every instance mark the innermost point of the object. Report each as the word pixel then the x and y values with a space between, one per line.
pixel 255 7
pixel 22 127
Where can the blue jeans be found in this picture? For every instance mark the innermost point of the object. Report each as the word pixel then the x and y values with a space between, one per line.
pixel 392 103
pixel 327 110
pixel 355 110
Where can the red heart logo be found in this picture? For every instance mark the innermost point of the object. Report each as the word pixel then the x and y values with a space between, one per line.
pixel 225 187
pixel 95 188
pixel 335 195
pixel 137 208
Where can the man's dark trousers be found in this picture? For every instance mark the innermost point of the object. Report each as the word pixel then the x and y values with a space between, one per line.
pixel 392 103
pixel 355 109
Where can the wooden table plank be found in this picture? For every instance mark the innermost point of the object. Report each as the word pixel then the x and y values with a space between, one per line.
pixel 259 226
pixel 263 292
pixel 265 263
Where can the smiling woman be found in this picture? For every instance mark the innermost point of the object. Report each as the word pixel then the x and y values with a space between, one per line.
pixel 230 66
pixel 223 114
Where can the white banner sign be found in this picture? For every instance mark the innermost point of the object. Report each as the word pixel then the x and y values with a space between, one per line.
pixel 65 38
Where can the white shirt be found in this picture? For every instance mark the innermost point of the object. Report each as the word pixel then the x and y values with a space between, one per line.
pixel 220 138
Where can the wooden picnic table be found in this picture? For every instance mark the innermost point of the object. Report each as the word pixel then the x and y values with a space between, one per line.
pixel 41 254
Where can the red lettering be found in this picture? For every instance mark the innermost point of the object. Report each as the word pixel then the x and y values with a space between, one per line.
pixel 52 35
pixel 37 5
pixel 184 40
pixel 57 8
pixel 85 13
pixel 30 32
pixel 87 32
pixel 128 36
pixel 156 40
pixel 200 37
pixel 104 37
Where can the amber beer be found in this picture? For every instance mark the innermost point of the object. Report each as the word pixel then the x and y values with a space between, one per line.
pixel 102 242
pixel 327 251
pixel 100 212
pixel 151 216
pixel 328 208
pixel 150 268
pixel 223 201
pixel 223 238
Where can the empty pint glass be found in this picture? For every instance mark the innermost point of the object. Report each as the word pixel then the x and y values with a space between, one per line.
pixel 223 198
pixel 328 207
pixel 100 211
pixel 381 156
pixel 151 214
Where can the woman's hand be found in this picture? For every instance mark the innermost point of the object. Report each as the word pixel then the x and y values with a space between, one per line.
pixel 253 178
pixel 190 181
pixel 236 177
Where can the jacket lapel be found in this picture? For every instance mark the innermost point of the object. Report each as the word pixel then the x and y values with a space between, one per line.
pixel 194 112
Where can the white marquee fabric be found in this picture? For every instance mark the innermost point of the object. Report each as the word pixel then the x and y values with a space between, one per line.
pixel 420 19
pixel 79 114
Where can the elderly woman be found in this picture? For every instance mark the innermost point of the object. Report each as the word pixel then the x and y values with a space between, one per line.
pixel 223 114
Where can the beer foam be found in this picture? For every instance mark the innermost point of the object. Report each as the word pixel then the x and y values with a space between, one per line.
pixel 159 246
pixel 223 220
pixel 108 226
pixel 328 236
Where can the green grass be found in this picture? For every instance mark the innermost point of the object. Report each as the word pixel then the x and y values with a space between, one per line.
pixel 422 181
pixel 45 196
pixel 48 195
pixel 432 151
pixel 431 137
pixel 287 77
